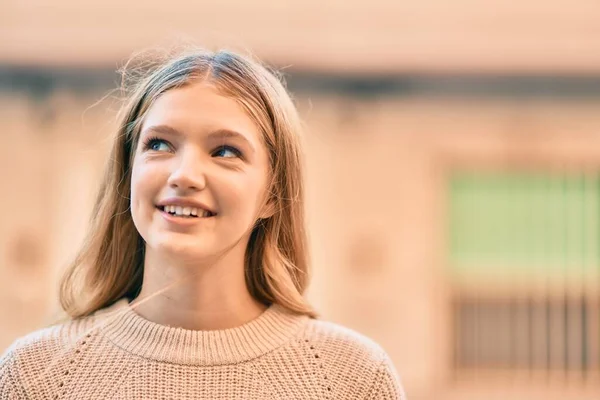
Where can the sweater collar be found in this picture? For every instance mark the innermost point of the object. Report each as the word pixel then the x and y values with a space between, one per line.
pixel 132 333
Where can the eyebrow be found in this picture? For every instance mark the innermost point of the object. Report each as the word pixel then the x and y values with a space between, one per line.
pixel 219 133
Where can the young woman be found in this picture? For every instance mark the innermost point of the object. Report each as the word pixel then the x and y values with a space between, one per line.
pixel 190 282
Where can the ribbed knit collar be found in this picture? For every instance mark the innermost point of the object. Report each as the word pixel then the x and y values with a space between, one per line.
pixel 132 333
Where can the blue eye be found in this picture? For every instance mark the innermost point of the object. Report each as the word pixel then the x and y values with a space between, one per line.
pixel 155 143
pixel 223 151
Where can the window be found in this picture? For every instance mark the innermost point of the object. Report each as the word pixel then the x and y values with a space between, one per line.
pixel 538 232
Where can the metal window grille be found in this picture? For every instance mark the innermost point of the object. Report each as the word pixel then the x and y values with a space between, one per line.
pixel 531 230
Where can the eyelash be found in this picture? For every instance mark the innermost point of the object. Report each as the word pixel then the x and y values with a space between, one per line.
pixel 152 140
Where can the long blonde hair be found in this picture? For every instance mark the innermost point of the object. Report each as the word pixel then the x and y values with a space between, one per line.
pixel 109 266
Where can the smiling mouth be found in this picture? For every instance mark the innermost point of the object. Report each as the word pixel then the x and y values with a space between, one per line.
pixel 186 212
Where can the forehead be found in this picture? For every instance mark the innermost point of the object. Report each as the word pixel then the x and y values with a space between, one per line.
pixel 201 107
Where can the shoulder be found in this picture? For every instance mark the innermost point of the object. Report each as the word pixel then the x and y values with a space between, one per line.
pixel 332 337
pixel 38 353
pixel 54 337
pixel 43 344
pixel 28 358
pixel 356 356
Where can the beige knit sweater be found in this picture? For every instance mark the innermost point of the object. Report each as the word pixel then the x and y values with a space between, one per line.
pixel 117 354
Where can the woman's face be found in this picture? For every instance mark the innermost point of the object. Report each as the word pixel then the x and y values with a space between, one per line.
pixel 200 147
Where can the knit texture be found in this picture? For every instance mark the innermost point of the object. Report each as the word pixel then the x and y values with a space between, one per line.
pixel 117 354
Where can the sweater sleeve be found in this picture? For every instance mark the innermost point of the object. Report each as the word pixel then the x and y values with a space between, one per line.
pixel 387 385
pixel 10 386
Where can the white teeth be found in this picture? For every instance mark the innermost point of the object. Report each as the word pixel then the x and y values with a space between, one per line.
pixel 187 211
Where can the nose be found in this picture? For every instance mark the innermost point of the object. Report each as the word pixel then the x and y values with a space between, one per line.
pixel 188 173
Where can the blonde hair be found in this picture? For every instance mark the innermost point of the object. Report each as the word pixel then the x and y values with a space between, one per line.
pixel 109 266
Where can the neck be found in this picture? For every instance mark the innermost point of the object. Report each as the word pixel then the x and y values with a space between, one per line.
pixel 200 296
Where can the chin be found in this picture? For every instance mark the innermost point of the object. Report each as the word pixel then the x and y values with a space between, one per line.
pixel 180 247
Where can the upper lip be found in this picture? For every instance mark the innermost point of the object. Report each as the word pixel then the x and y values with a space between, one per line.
pixel 178 201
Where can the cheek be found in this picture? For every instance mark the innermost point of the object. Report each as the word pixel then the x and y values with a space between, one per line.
pixel 136 184
pixel 134 202
pixel 246 195
pixel 143 181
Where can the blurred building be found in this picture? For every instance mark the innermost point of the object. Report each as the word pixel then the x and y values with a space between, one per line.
pixel 453 170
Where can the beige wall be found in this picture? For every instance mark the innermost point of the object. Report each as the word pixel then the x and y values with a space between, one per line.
pixel 376 173
pixel 376 168
pixel 335 35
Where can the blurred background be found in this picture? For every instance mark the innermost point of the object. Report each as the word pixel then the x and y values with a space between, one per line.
pixel 453 153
